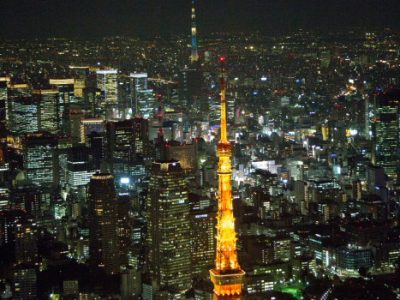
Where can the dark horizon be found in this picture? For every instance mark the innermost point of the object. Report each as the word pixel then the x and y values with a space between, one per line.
pixel 148 18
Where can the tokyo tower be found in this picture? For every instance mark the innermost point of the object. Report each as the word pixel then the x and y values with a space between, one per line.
pixel 227 276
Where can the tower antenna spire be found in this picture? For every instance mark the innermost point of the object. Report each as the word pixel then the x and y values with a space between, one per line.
pixel 227 276
pixel 194 57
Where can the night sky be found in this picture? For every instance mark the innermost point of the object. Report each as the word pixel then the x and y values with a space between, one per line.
pixel 146 18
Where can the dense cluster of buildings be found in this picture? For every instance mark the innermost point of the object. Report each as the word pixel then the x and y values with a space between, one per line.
pixel 109 177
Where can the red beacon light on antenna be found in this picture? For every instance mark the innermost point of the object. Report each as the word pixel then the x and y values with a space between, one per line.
pixel 222 59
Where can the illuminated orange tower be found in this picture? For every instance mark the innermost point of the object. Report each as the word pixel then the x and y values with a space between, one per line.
pixel 227 276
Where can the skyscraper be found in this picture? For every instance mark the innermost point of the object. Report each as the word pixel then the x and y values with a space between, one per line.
pixel 78 166
pixel 47 111
pixel 126 146
pixel 168 231
pixel 227 276
pixel 107 83
pixel 120 138
pixel 202 225
pixel 103 223
pixel 66 96
pixel 143 102
pixel 21 109
pixel 141 128
pixel 40 160
pixel 88 126
pixel 190 85
pixel 386 132
pixel 194 57
pixel 138 82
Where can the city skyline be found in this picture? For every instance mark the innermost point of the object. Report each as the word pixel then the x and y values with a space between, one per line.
pixel 88 19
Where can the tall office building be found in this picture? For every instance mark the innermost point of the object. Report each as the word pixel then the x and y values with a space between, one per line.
pixel 103 244
pixel 143 101
pixel 21 109
pixel 71 123
pixel 47 111
pixel 190 85
pixel 124 97
pixel 66 96
pixel 227 276
pixel 95 142
pixel 202 227
pixel 88 126
pixel 120 141
pixel 40 159
pixel 168 231
pixel 80 75
pixel 138 82
pixel 79 170
pixel 386 133
pixel 141 130
pixel 23 116
pixel 127 148
pixel 124 228
pixel 108 84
